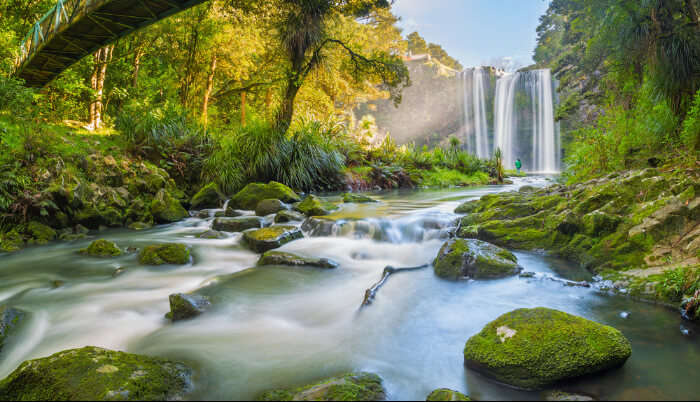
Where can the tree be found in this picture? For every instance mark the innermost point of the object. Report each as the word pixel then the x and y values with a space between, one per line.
pixel 416 44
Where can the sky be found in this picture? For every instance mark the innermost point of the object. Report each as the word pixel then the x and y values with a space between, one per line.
pixel 476 32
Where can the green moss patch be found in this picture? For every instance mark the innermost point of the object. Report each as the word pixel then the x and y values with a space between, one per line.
pixel 208 197
pixel 476 259
pixel 253 193
pixel 348 387
pixel 314 206
pixel 444 394
pixel 176 254
pixel 102 248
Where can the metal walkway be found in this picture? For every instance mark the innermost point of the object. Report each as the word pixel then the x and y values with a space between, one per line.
pixel 74 29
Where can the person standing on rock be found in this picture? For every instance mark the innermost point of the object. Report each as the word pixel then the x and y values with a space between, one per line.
pixel 518 165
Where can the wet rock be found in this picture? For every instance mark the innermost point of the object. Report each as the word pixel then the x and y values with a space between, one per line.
pixel 10 319
pixel 357 198
pixel 253 193
pixel 468 207
pixel 348 387
pixel 476 259
pixel 289 216
pixel 102 248
pixel 262 240
pixel 624 314
pixel 138 226
pixel 527 189
pixel 269 207
pixel 204 214
pixel 599 223
pixel 212 235
pixel 185 306
pixel 118 272
pixel 176 254
pixel 40 233
pixel 233 213
pixel 444 394
pixel 314 206
pixel 238 224
pixel 208 197
pixel 97 374
pixel 281 258
pixel 535 348
pixel 166 209
pixel 527 275
pixel 11 241
pixel 319 227
pixel 685 331
pixel 566 396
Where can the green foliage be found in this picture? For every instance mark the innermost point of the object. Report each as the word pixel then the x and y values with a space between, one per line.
pixel 690 134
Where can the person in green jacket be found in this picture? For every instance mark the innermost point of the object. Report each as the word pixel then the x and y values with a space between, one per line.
pixel 518 165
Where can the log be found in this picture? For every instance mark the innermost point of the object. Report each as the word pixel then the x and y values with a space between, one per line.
pixel 388 271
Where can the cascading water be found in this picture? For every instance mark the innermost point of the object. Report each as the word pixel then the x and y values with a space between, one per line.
pixel 474 102
pixel 506 122
pixel 545 156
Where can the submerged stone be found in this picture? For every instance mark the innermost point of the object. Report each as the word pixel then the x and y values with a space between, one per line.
pixel 10 318
pixel 238 224
pixel 476 259
pixel 444 394
pixel 253 193
pixel 289 216
pixel 185 306
pixel 212 235
pixel 208 197
pixel 281 258
pixel 348 387
pixel 102 248
pixel 176 254
pixel 262 240
pixel 535 348
pixel 138 226
pixel 268 207
pixel 314 206
pixel 93 373
pixel 166 209
pixel 357 198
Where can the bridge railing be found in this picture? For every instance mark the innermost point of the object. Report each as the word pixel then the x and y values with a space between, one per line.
pixel 61 14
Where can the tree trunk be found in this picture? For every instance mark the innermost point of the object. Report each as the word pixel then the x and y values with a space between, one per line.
pixel 99 90
pixel 243 104
pixel 93 85
pixel 286 113
pixel 137 66
pixel 207 91
pixel 692 12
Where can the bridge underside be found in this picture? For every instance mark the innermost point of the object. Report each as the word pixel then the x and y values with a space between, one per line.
pixel 90 26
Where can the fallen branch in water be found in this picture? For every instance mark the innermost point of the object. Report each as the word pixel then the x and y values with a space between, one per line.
pixel 388 271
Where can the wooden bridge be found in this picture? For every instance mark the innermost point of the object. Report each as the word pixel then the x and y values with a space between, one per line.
pixel 74 29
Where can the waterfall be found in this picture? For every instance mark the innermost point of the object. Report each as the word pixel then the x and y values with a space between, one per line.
pixel 506 122
pixel 476 133
pixel 544 140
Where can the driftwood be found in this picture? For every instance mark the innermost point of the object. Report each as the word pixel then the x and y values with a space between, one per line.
pixel 388 271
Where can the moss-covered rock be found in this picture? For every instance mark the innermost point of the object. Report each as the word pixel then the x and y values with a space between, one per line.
pixel 262 240
pixel 97 374
pixel 348 387
pixel 269 207
pixel 185 306
pixel 459 258
pixel 10 319
pixel 40 233
pixel 318 226
pixel 176 254
pixel 212 235
pixel 102 248
pixel 444 394
pixel 289 216
pixel 599 224
pixel 11 241
pixel 314 206
pixel 357 198
pixel 535 348
pixel 167 209
pixel 560 396
pixel 238 224
pixel 208 197
pixel 289 259
pixel 253 193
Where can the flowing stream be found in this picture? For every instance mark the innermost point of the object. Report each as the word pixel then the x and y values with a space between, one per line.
pixel 282 327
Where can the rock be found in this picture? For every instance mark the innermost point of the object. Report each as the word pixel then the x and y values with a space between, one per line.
pixel 204 214
pixel 80 229
pixel 208 197
pixel 166 209
pixel 233 213
pixel 476 259
pixel 357 198
pixel 288 216
pixel 269 207
pixel 40 233
pixel 186 306
pixel 599 224
pixel 253 193
pixel 261 240
pixel 176 254
pixel 10 318
pixel 565 396
pixel 280 258
pixel 140 226
pixel 527 189
pixel 690 307
pixel 102 248
pixel 348 387
pixel 444 394
pixel 97 374
pixel 238 224
pixel 468 207
pixel 314 206
pixel 212 235
pixel 318 226
pixel 535 348
pixel 527 275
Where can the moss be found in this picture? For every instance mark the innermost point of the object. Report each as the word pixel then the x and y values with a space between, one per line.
pixel 314 206
pixel 270 206
pixel 475 259
pixel 535 348
pixel 598 224
pixel 348 387
pixel 265 239
pixel 40 233
pixel 92 373
pixel 186 306
pixel 253 193
pixel 238 224
pixel 11 241
pixel 102 248
pixel 357 198
pixel 208 197
pixel 288 216
pixel 166 209
pixel 177 254
pixel 444 394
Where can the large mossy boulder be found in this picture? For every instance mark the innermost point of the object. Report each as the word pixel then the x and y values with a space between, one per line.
pixel 444 395
pixel 289 259
pixel 269 207
pixel 314 206
pixel 40 233
pixel 535 348
pixel 348 387
pixel 186 306
pixel 476 259
pixel 208 197
pixel 262 240
pixel 176 254
pixel 102 248
pixel 97 374
pixel 166 209
pixel 10 319
pixel 253 193
pixel 238 224
pixel 357 198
